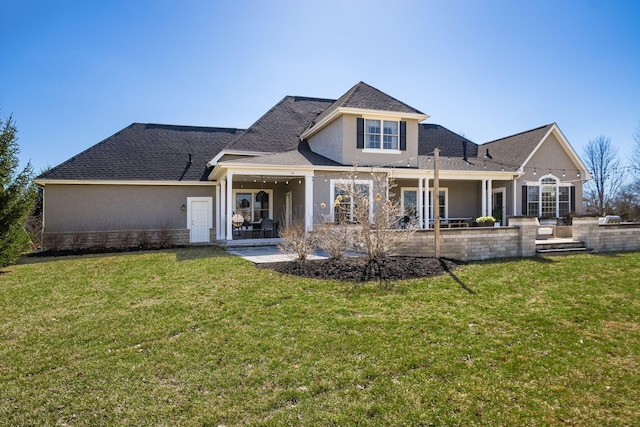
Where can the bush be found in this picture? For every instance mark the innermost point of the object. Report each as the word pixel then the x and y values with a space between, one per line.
pixel 295 238
pixel 333 239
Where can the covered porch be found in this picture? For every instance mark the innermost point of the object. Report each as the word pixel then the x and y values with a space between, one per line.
pixel 461 198
pixel 257 204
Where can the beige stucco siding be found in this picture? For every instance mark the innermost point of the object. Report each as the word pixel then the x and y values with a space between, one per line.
pixel 328 142
pixel 354 155
pixel 338 142
pixel 464 198
pixel 118 207
pixel 551 158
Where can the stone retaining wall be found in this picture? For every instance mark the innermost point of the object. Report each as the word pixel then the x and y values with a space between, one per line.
pixel 606 237
pixel 117 239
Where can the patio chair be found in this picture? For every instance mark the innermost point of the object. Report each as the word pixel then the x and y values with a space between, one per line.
pixel 404 221
pixel 236 223
pixel 266 227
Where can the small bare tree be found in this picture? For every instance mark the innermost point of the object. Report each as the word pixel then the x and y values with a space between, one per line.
pixel 635 155
pixel 602 160
pixel 376 213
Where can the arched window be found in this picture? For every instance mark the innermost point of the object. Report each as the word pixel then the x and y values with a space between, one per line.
pixel 548 198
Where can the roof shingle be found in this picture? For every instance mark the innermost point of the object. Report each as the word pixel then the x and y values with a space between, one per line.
pixel 279 129
pixel 515 149
pixel 148 152
pixel 367 97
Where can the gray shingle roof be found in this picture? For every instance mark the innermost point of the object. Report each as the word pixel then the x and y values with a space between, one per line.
pixel 148 152
pixel 367 97
pixel 301 156
pixel 515 149
pixel 279 129
pixel 450 143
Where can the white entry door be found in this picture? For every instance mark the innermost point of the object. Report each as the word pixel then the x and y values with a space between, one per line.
pixel 199 221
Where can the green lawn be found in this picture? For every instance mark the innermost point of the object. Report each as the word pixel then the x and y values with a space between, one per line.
pixel 196 337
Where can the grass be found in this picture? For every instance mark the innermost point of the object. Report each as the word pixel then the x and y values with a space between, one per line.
pixel 196 337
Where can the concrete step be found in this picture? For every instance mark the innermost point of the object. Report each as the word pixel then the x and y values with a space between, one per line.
pixel 560 247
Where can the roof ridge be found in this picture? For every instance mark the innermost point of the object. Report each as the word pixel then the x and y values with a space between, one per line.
pixel 248 130
pixel 392 97
pixel 519 133
pixel 351 92
pixel 211 128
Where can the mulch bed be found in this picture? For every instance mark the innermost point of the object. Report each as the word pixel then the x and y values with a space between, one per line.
pixel 361 270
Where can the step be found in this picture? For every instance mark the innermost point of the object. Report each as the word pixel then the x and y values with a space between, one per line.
pixel 562 251
pixel 560 247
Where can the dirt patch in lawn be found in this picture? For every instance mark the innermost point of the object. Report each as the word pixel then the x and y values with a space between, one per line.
pixel 361 270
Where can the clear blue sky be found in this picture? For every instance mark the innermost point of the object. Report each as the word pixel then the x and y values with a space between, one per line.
pixel 75 72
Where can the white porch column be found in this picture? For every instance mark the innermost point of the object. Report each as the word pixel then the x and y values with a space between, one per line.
pixel 515 202
pixel 427 204
pixel 483 211
pixel 229 231
pixel 489 197
pixel 420 203
pixel 308 202
pixel 223 209
pixel 217 213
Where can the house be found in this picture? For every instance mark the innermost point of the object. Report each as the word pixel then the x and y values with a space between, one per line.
pixel 202 184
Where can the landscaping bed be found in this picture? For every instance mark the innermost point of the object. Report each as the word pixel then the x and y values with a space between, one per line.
pixel 361 270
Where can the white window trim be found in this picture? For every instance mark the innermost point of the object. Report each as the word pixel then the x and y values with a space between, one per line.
pixel 381 149
pixel 538 184
pixel 332 193
pixel 253 192
pixel 402 191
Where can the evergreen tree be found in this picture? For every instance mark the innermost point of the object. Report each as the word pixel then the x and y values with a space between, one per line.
pixel 17 196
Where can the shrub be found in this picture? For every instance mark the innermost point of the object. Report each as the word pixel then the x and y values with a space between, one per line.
pixel 333 239
pixel 295 238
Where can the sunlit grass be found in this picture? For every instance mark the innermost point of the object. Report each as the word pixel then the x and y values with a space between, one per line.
pixel 196 337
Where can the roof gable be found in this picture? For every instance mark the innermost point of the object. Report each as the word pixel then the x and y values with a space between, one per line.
pixel 517 150
pixel 147 152
pixel 514 150
pixel 364 98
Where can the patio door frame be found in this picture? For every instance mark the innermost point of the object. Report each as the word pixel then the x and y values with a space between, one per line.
pixel 503 191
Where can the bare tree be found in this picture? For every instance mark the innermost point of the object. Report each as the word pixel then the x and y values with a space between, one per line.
pixel 375 212
pixel 634 161
pixel 602 160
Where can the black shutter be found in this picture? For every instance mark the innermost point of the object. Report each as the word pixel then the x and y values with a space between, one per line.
pixel 524 200
pixel 360 132
pixel 572 207
pixel 403 136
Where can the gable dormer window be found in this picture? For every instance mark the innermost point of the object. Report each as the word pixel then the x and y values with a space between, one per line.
pixel 381 134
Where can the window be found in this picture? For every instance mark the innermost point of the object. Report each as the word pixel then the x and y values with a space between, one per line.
pixel 533 200
pixel 548 198
pixel 410 202
pixel 253 205
pixel 548 187
pixel 443 202
pixel 564 200
pixel 343 203
pixel 381 134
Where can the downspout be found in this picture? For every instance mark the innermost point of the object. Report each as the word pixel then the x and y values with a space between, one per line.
pixel 43 216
